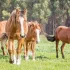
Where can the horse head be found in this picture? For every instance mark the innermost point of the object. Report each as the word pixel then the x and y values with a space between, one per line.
pixel 18 18
pixel 35 30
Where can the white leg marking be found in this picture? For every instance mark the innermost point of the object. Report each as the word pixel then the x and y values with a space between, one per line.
pixel 14 58
pixel 27 57
pixel 18 60
pixel 29 53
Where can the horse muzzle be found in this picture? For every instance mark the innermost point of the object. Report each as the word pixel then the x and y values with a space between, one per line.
pixel 37 42
pixel 22 36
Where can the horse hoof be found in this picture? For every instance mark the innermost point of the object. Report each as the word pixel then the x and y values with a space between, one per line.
pixel 18 63
pixel 11 62
pixel 4 53
pixel 63 57
pixel 33 59
pixel 56 56
pixel 14 62
pixel 26 58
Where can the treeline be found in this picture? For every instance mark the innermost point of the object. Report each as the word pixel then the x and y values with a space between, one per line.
pixel 40 10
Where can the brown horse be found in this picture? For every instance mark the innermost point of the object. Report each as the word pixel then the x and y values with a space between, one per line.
pixel 31 38
pixel 62 33
pixel 16 28
pixel 3 36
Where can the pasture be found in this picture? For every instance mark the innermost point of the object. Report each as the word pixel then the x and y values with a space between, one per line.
pixel 45 58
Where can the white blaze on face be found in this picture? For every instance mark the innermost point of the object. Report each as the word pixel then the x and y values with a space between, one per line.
pixel 21 19
pixel 38 33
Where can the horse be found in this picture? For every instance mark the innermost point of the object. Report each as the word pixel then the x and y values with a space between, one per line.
pixel 16 29
pixel 62 33
pixel 3 36
pixel 31 38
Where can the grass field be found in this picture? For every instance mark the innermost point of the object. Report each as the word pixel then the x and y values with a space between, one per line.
pixel 45 58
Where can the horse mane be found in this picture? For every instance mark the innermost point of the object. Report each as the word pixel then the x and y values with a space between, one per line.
pixel 13 12
pixel 12 17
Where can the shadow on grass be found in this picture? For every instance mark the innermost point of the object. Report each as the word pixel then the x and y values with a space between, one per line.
pixel 42 57
pixel 38 57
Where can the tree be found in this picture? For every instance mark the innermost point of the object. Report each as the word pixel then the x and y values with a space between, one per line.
pixel 3 6
pixel 41 12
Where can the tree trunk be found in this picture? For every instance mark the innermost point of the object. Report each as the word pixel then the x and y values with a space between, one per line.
pixel 1 15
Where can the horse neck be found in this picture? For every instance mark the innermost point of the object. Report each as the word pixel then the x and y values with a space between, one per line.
pixel 12 25
pixel 31 35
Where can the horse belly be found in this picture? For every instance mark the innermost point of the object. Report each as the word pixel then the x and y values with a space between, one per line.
pixel 63 37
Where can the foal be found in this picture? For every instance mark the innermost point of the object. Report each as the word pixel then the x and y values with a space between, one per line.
pixel 31 38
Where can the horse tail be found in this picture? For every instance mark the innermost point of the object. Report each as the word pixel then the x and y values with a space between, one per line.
pixel 50 38
pixel 4 36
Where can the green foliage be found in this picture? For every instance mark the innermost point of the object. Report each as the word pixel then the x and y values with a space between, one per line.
pixel 69 11
pixel 5 14
pixel 39 10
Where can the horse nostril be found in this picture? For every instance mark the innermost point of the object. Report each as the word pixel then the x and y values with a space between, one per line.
pixel 22 36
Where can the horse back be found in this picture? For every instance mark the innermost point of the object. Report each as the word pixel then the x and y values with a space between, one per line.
pixel 2 26
pixel 63 34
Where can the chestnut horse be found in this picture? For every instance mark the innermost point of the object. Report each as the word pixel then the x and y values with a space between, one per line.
pixel 16 28
pixel 3 36
pixel 62 34
pixel 31 38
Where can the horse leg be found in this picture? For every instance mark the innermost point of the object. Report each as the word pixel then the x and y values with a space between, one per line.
pixel 24 43
pixel 10 50
pixel 24 50
pixel 3 42
pixel 33 50
pixel 2 47
pixel 14 53
pixel 6 47
pixel 19 48
pixel 62 48
pixel 57 42
pixel 27 57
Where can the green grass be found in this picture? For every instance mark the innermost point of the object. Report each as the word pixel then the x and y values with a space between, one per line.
pixel 45 58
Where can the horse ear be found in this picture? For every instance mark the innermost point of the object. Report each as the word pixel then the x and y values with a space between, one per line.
pixel 17 11
pixel 25 11
pixel 31 25
pixel 40 25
